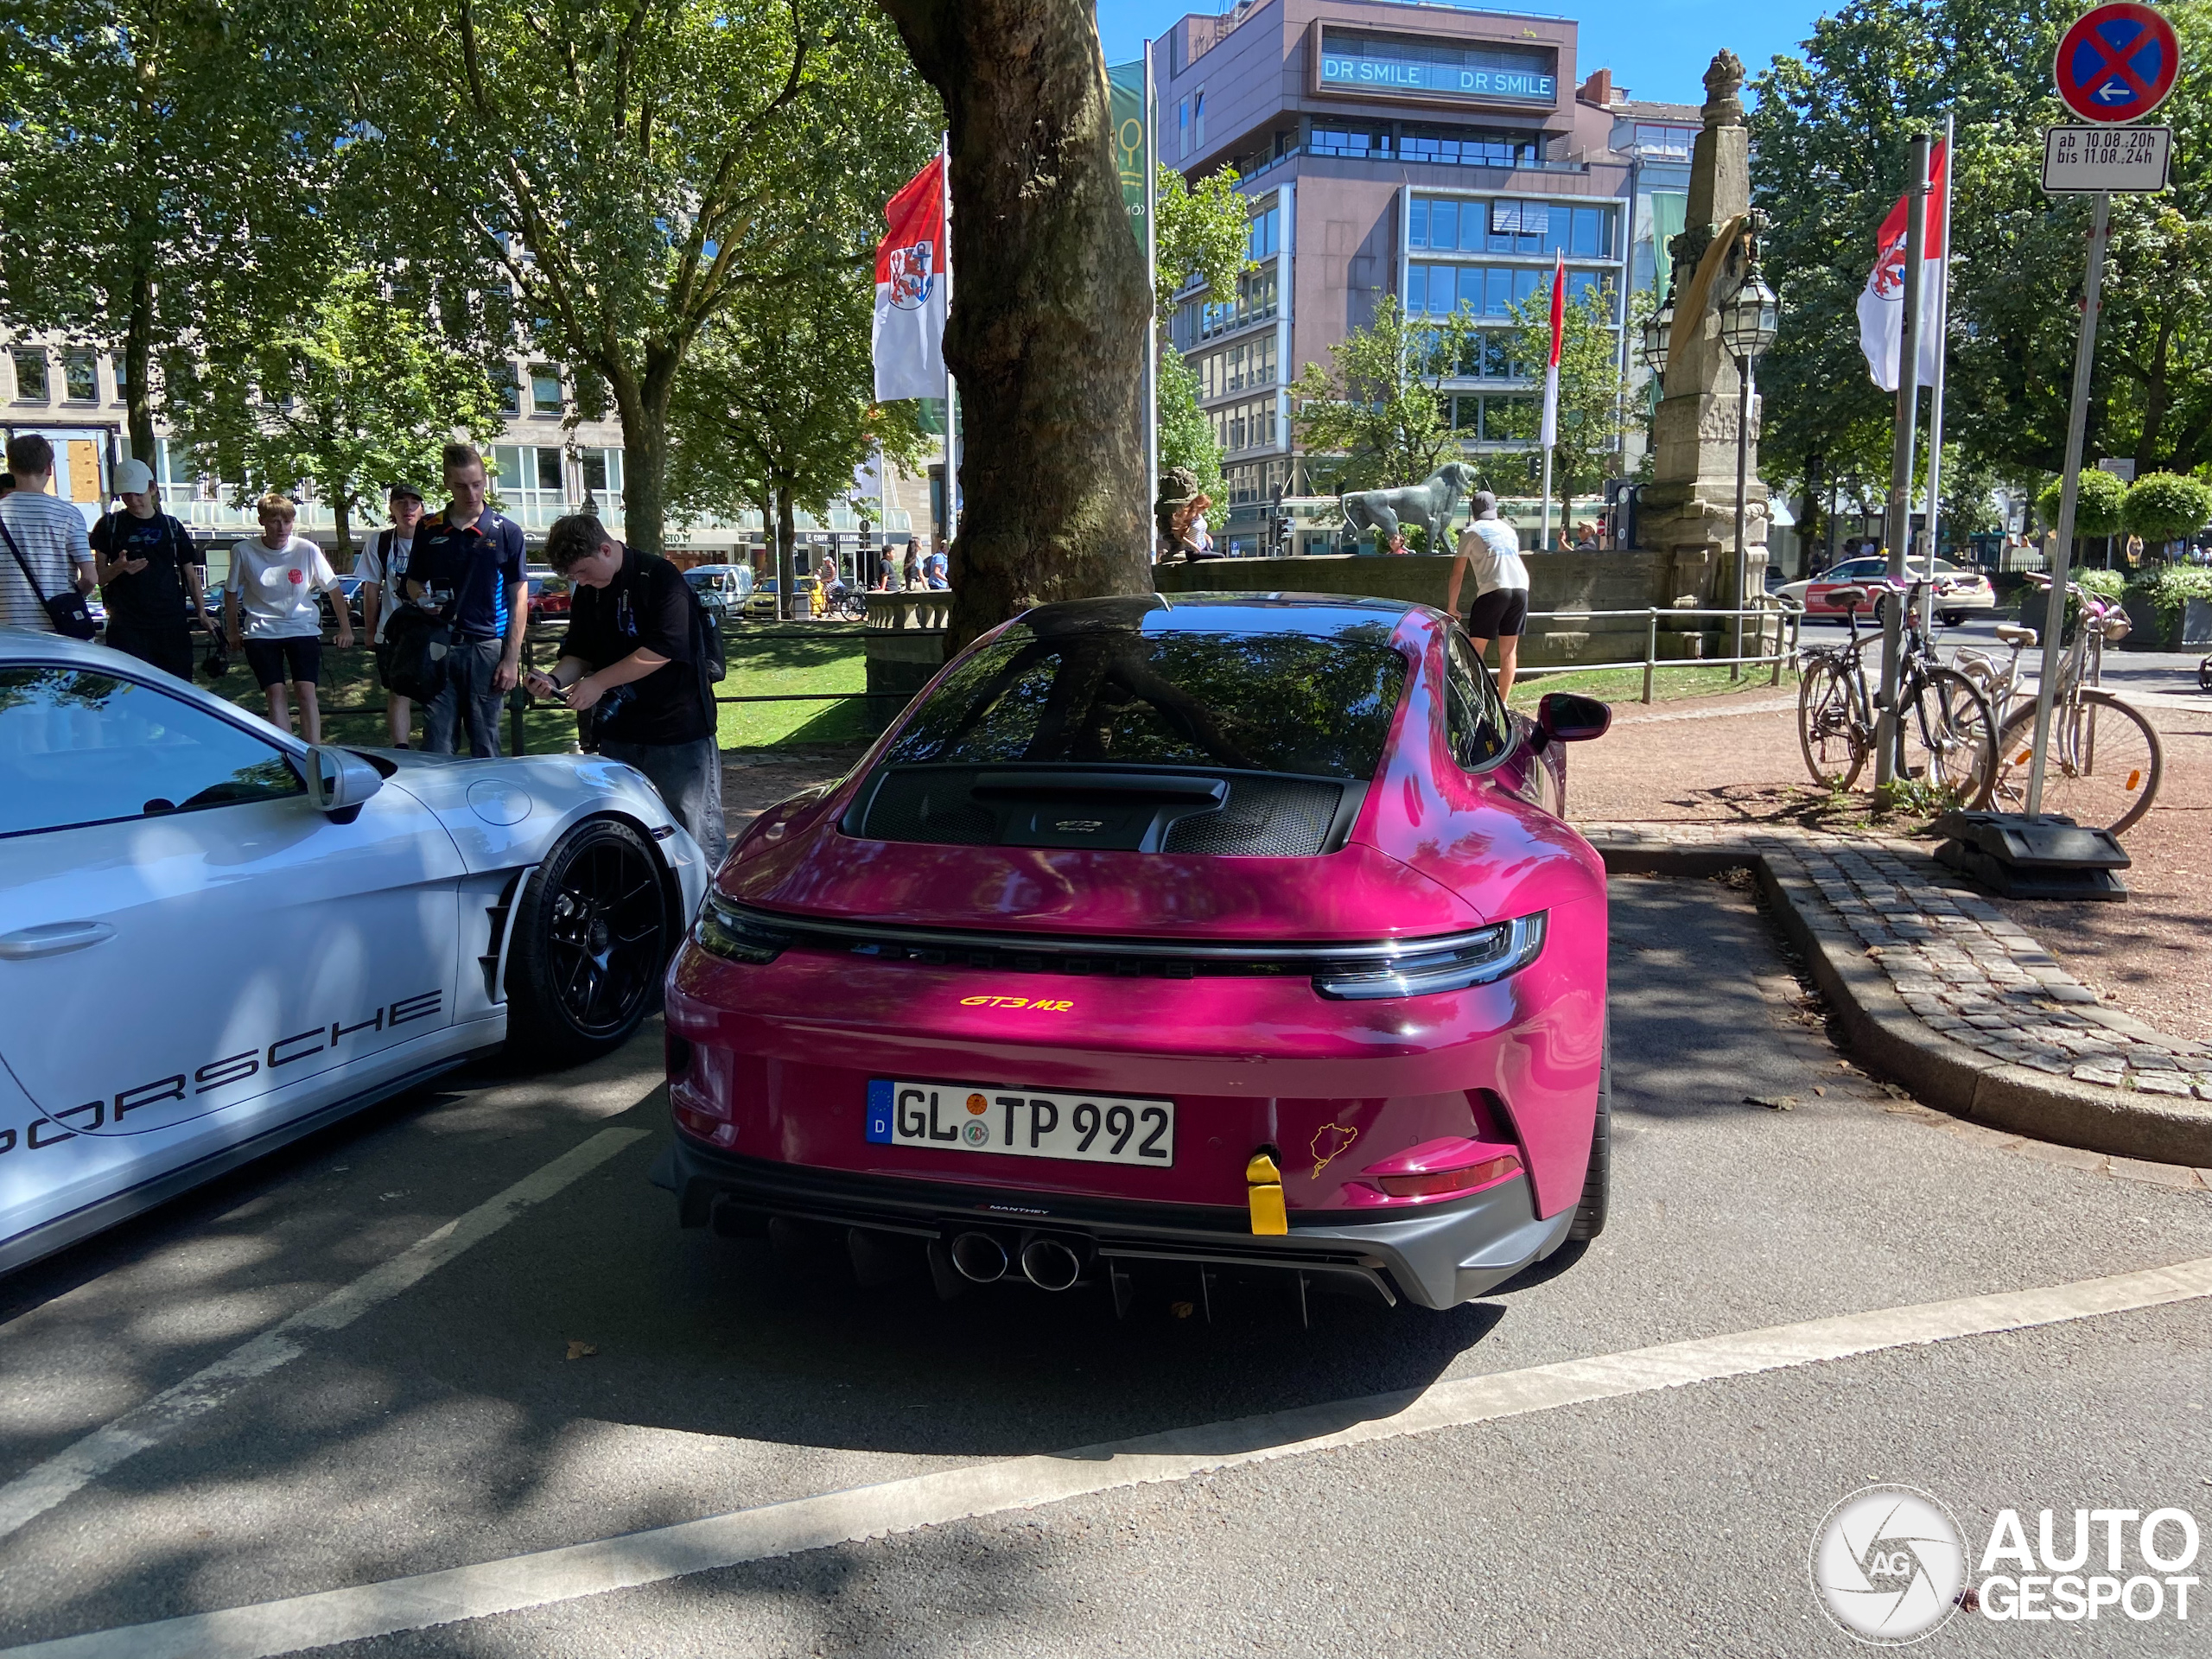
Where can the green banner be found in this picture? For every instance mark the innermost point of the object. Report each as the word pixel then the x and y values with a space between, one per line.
pixel 1126 81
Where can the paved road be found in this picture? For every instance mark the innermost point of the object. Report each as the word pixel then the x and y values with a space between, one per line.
pixel 440 1424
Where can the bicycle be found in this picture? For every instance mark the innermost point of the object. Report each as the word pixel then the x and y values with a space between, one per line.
pixel 1946 737
pixel 2104 758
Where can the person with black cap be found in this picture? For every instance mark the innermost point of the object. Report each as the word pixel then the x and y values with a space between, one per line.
pixel 151 576
pixel 382 564
pixel 1491 550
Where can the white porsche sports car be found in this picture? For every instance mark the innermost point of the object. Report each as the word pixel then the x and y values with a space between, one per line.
pixel 214 939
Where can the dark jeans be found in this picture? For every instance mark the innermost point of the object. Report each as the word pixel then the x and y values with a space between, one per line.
pixel 689 778
pixel 168 649
pixel 466 699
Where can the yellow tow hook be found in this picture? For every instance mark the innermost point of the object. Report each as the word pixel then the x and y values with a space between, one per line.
pixel 1263 1192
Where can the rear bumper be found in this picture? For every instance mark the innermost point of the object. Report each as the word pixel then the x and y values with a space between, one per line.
pixel 1441 1257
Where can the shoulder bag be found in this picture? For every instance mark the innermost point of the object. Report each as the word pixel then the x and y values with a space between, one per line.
pixel 68 611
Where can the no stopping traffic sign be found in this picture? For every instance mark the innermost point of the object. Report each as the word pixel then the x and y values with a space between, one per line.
pixel 2117 62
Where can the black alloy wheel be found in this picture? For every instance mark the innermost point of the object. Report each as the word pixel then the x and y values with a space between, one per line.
pixel 591 941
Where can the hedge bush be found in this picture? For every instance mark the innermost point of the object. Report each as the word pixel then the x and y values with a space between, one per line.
pixel 2165 506
pixel 2096 504
pixel 2171 588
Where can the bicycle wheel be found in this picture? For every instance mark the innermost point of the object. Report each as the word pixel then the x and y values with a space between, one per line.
pixel 1828 725
pixel 1946 740
pixel 2103 768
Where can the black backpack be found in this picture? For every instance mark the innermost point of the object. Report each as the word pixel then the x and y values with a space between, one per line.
pixel 707 655
pixel 411 660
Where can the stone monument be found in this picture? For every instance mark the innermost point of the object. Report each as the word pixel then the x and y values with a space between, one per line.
pixel 1688 510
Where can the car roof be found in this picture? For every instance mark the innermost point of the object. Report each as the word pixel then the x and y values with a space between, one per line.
pixel 1324 614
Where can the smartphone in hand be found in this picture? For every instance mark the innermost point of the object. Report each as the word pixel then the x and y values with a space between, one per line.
pixel 541 683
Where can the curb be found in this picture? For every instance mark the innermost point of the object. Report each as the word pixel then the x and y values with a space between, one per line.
pixel 1891 1041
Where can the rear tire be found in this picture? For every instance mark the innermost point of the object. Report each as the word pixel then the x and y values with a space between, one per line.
pixel 1953 618
pixel 592 936
pixel 1597 1184
pixel 2125 763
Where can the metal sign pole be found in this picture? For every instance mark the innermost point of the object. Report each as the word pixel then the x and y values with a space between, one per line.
pixel 2077 418
pixel 1898 528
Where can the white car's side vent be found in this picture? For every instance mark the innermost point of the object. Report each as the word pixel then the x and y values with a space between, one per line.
pixel 496 916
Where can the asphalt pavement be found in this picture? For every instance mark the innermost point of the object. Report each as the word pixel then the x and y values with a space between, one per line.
pixel 500 1345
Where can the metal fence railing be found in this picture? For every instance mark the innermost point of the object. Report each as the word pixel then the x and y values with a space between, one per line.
pixel 1769 618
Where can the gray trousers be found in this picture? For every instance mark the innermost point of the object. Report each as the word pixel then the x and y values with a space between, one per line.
pixel 689 778
pixel 466 699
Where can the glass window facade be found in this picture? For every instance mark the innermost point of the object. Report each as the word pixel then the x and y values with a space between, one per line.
pixel 544 389
pixel 1235 368
pixel 1256 301
pixel 1247 425
pixel 30 374
pixel 1494 419
pixel 1508 226
pixel 1486 290
pixel 1667 144
pixel 1447 146
pixel 80 377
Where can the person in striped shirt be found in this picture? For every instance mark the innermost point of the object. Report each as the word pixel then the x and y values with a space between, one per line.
pixel 47 531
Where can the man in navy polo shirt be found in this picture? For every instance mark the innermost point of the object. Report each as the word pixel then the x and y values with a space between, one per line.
pixel 467 565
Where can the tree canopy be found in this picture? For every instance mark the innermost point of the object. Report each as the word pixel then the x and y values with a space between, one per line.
pixel 1593 409
pixel 359 395
pixel 1378 404
pixel 628 170
pixel 1830 128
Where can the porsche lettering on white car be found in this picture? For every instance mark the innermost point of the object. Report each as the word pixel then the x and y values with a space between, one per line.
pixel 214 939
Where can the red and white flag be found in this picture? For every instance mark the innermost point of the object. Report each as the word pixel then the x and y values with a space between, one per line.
pixel 913 287
pixel 1881 304
pixel 1549 436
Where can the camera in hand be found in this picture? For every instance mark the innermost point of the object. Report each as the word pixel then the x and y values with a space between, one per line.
pixel 607 713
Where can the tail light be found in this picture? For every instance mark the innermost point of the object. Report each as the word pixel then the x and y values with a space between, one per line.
pixel 1445 1168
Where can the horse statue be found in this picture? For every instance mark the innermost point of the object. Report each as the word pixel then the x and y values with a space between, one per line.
pixel 1429 503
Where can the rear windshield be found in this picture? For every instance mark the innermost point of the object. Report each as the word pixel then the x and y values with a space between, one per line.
pixel 1264 701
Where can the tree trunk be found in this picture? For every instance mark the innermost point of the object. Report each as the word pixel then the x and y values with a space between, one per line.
pixel 137 362
pixel 1048 308
pixel 341 513
pixel 643 405
pixel 786 539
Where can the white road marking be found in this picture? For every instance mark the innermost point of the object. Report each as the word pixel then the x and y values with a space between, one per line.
pixel 547 1576
pixel 31 1494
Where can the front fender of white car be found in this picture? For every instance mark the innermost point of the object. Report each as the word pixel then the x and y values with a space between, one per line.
pixel 506 816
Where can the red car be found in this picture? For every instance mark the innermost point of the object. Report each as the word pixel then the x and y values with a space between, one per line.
pixel 1237 933
pixel 548 592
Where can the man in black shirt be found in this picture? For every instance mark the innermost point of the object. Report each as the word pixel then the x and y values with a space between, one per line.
pixel 628 656
pixel 151 576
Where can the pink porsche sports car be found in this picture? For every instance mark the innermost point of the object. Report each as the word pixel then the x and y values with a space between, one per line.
pixel 1226 933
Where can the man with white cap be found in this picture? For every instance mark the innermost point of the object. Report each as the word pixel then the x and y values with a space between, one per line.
pixel 151 576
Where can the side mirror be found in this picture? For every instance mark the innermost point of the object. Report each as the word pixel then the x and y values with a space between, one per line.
pixel 1563 717
pixel 338 781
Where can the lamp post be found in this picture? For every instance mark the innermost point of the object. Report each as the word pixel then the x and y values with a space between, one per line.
pixel 1749 323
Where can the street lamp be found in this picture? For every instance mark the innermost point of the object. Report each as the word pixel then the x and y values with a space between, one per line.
pixel 1658 334
pixel 1749 323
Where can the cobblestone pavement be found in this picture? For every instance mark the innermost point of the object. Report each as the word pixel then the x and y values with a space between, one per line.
pixel 1957 962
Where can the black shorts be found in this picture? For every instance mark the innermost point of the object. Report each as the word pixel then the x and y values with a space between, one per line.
pixel 1498 614
pixel 275 661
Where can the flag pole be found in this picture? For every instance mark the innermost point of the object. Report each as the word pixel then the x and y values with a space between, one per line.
pixel 951 460
pixel 1935 386
pixel 1151 290
pixel 1897 525
pixel 1549 432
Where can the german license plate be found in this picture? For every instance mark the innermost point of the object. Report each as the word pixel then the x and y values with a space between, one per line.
pixel 1023 1122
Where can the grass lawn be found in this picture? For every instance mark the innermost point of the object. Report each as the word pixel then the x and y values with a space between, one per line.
pixel 1667 685
pixel 828 659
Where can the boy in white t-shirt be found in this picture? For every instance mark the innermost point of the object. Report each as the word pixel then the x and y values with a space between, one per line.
pixel 277 580
pixel 1490 549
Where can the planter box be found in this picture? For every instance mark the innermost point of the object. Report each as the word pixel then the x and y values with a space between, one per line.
pixel 2148 635
pixel 2197 624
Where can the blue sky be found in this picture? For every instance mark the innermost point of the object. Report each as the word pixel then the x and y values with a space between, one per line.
pixel 1656 49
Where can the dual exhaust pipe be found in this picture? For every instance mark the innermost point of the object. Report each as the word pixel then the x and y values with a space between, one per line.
pixel 1047 1262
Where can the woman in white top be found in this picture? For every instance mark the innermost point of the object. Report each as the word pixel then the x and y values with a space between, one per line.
pixel 1491 549
pixel 277 580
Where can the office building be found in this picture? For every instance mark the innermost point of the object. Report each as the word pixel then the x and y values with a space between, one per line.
pixel 1440 155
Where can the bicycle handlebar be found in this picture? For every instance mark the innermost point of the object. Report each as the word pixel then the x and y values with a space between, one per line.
pixel 2094 605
